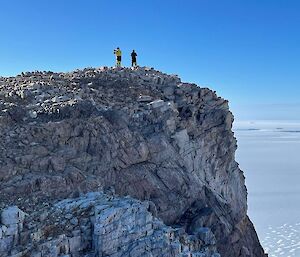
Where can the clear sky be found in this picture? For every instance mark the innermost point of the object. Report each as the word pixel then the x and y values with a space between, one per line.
pixel 246 50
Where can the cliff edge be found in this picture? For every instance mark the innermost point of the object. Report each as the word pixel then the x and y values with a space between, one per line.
pixel 124 132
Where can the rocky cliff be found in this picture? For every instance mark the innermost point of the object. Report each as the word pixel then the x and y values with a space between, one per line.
pixel 124 132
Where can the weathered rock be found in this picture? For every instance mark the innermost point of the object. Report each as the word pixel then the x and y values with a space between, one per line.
pixel 12 215
pixel 145 98
pixel 206 235
pixel 109 226
pixel 92 133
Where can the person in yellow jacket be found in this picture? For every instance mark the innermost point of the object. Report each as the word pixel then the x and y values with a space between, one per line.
pixel 118 54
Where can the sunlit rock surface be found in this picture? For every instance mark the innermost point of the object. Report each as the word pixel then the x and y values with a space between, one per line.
pixel 130 132
pixel 98 225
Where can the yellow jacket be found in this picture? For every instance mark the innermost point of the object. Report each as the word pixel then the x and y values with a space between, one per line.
pixel 118 52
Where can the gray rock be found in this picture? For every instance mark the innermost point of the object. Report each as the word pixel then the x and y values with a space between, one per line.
pixel 144 98
pixel 58 99
pixel 17 113
pixel 206 235
pixel 33 114
pixel 12 230
pixel 75 244
pixel 74 221
pixel 12 215
pixel 91 133
pixel 6 244
pixel 156 103
pixel 121 226
pixel 68 216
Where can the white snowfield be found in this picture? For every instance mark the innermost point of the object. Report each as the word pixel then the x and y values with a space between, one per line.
pixel 268 151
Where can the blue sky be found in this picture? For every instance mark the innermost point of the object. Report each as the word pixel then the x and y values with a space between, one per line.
pixel 246 50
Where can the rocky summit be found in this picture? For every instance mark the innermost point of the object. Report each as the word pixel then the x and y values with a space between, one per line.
pixel 119 162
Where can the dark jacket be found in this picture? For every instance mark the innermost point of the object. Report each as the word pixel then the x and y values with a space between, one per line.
pixel 133 56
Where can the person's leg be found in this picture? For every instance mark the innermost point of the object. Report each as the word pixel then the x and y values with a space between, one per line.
pixel 133 62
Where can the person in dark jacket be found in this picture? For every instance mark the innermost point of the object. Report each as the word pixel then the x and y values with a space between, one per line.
pixel 133 58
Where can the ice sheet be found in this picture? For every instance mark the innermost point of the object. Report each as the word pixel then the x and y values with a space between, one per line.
pixel 269 154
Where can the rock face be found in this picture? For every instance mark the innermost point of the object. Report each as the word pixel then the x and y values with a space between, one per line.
pixel 131 132
pixel 99 225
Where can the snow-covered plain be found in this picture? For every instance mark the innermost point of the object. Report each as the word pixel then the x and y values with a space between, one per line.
pixel 269 154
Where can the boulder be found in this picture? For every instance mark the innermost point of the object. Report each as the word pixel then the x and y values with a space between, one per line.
pixel 12 216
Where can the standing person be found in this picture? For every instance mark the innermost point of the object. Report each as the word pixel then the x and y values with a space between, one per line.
pixel 118 54
pixel 133 58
